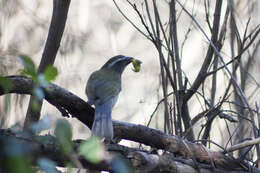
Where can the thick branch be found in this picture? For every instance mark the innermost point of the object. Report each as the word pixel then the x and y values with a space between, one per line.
pixel 70 104
pixel 141 160
pixel 66 102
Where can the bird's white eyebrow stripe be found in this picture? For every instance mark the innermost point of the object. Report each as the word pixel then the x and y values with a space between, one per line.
pixel 119 59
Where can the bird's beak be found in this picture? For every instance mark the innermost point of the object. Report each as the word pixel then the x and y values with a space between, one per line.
pixel 137 61
pixel 129 59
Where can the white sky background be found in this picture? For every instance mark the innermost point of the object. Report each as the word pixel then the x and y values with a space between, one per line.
pixel 96 31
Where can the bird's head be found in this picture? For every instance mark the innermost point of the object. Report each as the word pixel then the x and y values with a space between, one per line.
pixel 117 63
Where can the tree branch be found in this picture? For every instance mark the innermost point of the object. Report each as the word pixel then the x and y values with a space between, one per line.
pixel 204 68
pixel 141 160
pixel 58 21
pixel 78 108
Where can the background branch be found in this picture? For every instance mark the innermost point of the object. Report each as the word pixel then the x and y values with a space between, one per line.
pixel 58 21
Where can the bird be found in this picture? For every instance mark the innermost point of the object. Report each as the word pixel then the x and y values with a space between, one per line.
pixel 102 90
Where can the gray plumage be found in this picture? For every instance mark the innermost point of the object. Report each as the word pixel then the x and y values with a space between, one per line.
pixel 103 88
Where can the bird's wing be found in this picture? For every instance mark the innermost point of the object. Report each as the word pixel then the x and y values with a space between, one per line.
pixel 108 90
pixel 102 87
pixel 90 88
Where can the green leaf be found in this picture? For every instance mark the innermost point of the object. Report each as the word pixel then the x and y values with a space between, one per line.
pixel 29 67
pixel 36 105
pixel 15 152
pixel 41 125
pixel 92 150
pixel 38 92
pixel 50 73
pixel 63 135
pixel 41 81
pixel 22 164
pixel 47 165
pixel 121 164
pixel 5 83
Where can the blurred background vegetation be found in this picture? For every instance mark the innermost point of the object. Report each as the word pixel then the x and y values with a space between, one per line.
pixel 96 31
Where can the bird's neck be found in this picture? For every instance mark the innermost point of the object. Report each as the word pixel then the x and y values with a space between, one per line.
pixel 114 70
pixel 110 73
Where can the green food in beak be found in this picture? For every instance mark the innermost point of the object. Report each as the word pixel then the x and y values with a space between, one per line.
pixel 137 65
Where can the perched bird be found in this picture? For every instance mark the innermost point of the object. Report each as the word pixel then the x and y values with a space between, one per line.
pixel 102 90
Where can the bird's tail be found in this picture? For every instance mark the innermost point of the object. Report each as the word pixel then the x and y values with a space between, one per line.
pixel 102 125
